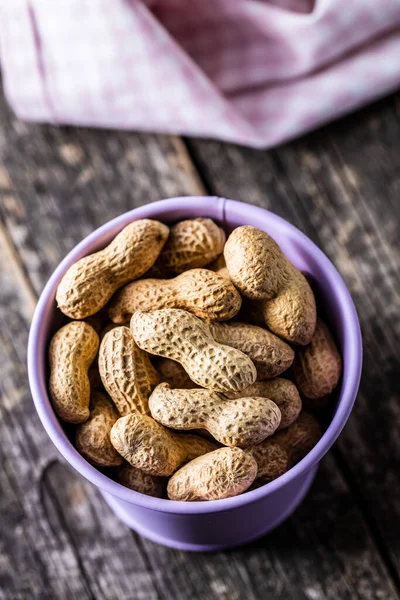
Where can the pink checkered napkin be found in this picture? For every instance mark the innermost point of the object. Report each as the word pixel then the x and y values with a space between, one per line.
pixel 248 71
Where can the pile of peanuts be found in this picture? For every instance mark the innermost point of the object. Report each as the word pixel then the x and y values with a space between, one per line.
pixel 180 329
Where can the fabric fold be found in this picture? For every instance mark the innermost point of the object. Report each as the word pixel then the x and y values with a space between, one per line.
pixel 251 72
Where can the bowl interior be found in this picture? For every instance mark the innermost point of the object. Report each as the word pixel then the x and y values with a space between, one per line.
pixel 332 297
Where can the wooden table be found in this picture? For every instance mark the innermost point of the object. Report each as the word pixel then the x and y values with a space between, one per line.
pixel 341 186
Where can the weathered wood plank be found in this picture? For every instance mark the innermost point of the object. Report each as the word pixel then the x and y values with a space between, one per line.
pixel 71 181
pixel 113 564
pixel 46 565
pixel 341 187
pixel 58 185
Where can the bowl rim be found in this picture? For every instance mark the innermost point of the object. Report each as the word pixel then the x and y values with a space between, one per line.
pixel 216 208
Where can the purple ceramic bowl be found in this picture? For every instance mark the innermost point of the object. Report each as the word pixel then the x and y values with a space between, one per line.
pixel 220 523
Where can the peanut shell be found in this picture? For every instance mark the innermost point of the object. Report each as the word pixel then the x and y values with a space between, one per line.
pixel 180 336
pixel 292 314
pixel 300 437
pixel 260 270
pixel 220 474
pixel 272 461
pixel 90 282
pixel 192 243
pixel 71 352
pixel 199 291
pixel 92 438
pixel 237 422
pixel 126 371
pixel 142 482
pixel 318 366
pixel 148 446
pixel 281 391
pixel 270 355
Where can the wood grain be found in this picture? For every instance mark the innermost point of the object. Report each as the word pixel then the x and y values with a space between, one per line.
pixel 50 202
pixel 58 185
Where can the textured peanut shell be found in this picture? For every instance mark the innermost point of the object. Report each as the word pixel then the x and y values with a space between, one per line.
pixel 292 314
pixel 270 355
pixel 148 446
pixel 126 371
pixel 192 243
pixel 260 270
pixel 220 474
pixel 256 264
pixel 176 334
pixel 318 366
pixel 272 461
pixel 71 352
pixel 300 437
pixel 91 281
pixel 237 422
pixel 199 291
pixel 173 373
pixel 92 438
pixel 142 482
pixel 281 391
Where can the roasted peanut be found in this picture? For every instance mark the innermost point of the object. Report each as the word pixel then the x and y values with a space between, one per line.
pixel 192 243
pixel 140 481
pixel 126 371
pixel 260 270
pixel 72 350
pixel 173 373
pixel 148 446
pixel 281 391
pixel 220 474
pixel 176 334
pixel 92 438
pixel 272 461
pixel 238 422
pixel 270 355
pixel 300 437
pixel 318 366
pixel 199 291
pixel 89 283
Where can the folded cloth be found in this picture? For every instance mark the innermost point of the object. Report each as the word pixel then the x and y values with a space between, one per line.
pixel 255 72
